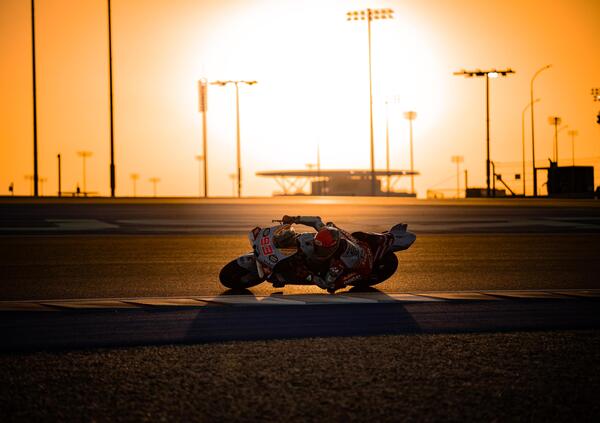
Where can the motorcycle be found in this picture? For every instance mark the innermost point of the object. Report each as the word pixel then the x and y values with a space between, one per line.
pixel 278 251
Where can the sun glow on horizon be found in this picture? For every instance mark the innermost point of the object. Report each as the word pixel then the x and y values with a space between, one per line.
pixel 311 65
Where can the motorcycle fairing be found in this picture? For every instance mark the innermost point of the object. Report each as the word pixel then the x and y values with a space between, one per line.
pixel 264 246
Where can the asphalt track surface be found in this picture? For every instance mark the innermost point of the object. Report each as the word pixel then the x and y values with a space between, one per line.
pixel 518 376
pixel 102 248
pixel 450 360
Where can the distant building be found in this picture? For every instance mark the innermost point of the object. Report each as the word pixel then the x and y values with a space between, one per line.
pixel 570 181
pixel 337 182
pixel 482 192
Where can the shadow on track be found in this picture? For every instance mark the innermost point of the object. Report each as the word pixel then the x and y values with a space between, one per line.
pixel 252 319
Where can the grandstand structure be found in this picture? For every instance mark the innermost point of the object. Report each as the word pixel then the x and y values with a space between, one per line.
pixel 340 182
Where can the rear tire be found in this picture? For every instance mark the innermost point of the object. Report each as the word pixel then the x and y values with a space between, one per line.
pixel 234 276
pixel 382 270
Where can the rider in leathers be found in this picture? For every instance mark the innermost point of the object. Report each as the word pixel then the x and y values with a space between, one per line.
pixel 335 258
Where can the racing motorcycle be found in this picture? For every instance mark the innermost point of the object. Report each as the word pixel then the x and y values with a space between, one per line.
pixel 278 251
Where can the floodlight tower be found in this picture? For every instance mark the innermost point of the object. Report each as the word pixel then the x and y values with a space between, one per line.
pixel 555 120
pixel 410 116
pixel 154 181
pixel 203 107
pixel 134 178
pixel 237 111
pixel 110 90
pixel 458 160
pixel 35 131
pixel 523 139
pixel 533 128
pixel 84 155
pixel 492 73
pixel 201 161
pixel 573 133
pixel 370 15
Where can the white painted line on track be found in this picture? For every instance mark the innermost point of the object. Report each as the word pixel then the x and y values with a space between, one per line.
pixel 461 296
pixel 525 294
pixel 164 302
pixel 250 300
pixel 296 299
pixel 414 298
pixel 330 299
pixel 82 305
pixel 578 293
pixel 24 306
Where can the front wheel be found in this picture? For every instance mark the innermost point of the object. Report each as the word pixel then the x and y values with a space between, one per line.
pixel 234 276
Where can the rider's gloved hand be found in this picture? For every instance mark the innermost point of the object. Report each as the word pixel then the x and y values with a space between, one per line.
pixel 289 219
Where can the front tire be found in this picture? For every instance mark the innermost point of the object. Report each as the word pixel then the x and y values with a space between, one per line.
pixel 234 276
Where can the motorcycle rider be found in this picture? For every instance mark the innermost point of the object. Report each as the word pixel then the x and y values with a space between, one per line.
pixel 334 257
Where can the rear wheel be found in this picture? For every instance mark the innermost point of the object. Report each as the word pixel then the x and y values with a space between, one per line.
pixel 235 276
pixel 382 270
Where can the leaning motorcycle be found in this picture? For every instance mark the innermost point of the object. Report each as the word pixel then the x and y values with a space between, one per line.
pixel 274 258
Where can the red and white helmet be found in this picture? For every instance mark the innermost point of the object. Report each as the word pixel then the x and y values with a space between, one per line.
pixel 326 242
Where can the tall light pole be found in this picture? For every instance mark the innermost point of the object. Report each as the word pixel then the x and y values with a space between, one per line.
pixel 30 178
pixel 84 155
pixel 59 176
pixel 110 89
pixel 555 120
pixel 201 162
pixel 42 180
pixel 533 128
pixel 232 176
pixel 410 116
pixel 35 151
pixel 573 133
pixel 237 113
pixel 134 177
pixel 523 140
pixel 203 107
pixel 458 160
pixel 154 181
pixel 369 15
pixel 492 73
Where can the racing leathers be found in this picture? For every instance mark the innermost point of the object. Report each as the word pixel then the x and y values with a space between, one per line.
pixel 351 261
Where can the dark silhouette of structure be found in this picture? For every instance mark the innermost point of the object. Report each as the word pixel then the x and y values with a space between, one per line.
pixel 337 182
pixel 570 181
pixel 492 73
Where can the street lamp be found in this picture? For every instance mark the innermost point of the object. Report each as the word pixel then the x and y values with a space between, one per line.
pixel 154 181
pixel 369 15
pixel 523 139
pixel 410 116
pixel 555 120
pixel 203 107
pixel 458 160
pixel 84 155
pixel 492 73
pixel 392 100
pixel 30 178
pixel 42 180
pixel 59 176
pixel 134 178
pixel 573 133
pixel 110 89
pixel 533 128
pixel 35 149
pixel 232 176
pixel 237 111
pixel 201 161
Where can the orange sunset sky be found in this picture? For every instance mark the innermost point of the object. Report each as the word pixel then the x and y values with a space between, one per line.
pixel 311 68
